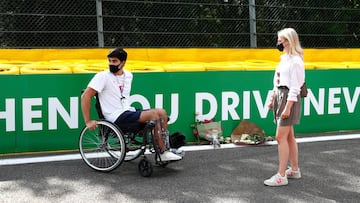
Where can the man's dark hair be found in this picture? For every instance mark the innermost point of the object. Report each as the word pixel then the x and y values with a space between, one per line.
pixel 118 53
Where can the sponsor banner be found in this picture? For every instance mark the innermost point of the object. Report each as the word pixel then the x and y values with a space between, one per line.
pixel 43 112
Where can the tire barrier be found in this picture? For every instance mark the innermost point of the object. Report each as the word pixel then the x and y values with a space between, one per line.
pixel 94 66
pixel 147 68
pixel 89 68
pixel 143 66
pixel 325 65
pixel 352 64
pixel 184 67
pixel 259 65
pixel 16 62
pixel 44 68
pixel 224 66
pixel 9 69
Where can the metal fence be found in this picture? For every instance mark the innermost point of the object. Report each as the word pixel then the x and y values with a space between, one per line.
pixel 176 23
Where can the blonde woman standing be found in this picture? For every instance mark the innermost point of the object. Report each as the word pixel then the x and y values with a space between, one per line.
pixel 286 104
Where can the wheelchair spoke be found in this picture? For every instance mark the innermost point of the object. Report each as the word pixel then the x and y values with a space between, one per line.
pixel 102 149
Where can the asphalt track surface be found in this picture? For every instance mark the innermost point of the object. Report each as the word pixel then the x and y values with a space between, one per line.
pixel 330 173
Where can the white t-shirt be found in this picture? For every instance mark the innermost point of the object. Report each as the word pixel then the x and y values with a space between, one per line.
pixel 291 73
pixel 114 93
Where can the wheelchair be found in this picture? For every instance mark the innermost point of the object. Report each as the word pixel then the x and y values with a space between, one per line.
pixel 107 147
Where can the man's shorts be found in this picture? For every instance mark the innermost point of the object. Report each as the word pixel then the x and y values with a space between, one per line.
pixel 129 121
pixel 129 117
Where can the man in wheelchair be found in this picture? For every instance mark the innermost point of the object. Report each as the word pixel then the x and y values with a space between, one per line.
pixel 113 87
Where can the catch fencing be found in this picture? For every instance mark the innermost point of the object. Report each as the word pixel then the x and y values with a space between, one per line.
pixel 176 23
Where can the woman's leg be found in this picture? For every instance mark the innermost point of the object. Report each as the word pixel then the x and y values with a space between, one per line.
pixel 282 134
pixel 293 150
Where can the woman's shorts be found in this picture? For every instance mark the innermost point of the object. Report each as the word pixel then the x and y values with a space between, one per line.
pixel 280 99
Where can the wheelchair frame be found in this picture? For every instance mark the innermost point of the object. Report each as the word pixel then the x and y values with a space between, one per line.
pixel 105 148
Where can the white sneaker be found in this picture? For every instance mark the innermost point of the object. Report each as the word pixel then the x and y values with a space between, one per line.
pixel 179 152
pixel 276 180
pixel 169 156
pixel 293 174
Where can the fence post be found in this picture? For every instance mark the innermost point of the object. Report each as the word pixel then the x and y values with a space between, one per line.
pixel 252 21
pixel 100 26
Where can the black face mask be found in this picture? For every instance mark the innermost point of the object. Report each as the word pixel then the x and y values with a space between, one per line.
pixel 114 68
pixel 280 46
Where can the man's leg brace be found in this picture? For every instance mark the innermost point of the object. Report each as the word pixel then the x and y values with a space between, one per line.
pixel 165 134
pixel 158 138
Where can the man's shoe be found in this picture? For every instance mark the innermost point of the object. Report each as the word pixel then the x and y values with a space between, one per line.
pixel 169 156
pixel 179 152
pixel 276 180
pixel 293 174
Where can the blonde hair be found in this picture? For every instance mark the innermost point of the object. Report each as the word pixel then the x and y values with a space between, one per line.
pixel 294 44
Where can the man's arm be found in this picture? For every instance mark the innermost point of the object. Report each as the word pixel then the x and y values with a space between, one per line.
pixel 85 107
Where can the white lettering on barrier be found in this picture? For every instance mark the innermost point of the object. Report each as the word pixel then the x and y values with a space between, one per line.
pixel 28 114
pixel 262 107
pixel 71 119
pixel 246 104
pixel 205 96
pixel 334 100
pixel 174 109
pixel 9 114
pixel 230 101
pixel 351 103
pixel 227 107
pixel 141 100
pixel 317 104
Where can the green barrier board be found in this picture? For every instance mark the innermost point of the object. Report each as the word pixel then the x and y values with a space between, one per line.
pixel 43 113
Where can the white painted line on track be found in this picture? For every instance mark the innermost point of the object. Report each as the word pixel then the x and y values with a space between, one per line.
pixel 321 138
pixel 28 160
pixel 68 157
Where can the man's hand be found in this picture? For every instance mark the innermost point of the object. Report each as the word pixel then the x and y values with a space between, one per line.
pixel 92 125
pixel 85 107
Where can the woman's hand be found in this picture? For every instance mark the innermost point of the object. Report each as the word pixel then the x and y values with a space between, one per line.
pixel 285 114
pixel 271 104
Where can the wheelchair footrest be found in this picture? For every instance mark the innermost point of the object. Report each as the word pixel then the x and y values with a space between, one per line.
pixel 133 148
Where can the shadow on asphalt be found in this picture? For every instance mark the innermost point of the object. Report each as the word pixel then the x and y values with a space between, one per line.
pixel 329 168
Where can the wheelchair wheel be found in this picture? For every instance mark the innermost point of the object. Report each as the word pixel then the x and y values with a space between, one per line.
pixel 136 147
pixel 145 168
pixel 104 148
